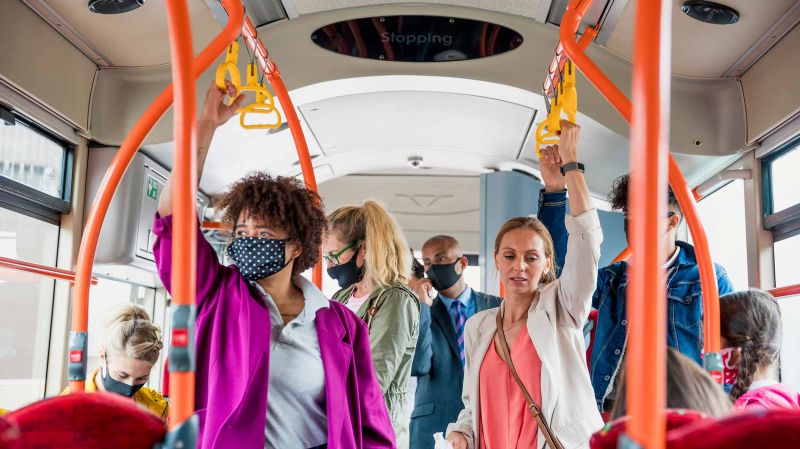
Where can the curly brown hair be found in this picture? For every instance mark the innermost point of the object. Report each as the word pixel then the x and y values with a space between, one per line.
pixel 282 202
pixel 619 196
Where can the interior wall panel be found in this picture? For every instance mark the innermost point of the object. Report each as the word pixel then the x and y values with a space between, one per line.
pixel 42 63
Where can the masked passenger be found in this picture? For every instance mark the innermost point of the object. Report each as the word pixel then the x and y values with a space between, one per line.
pixel 131 346
pixel 440 357
pixel 368 256
pixel 265 332
pixel 684 293
pixel 537 330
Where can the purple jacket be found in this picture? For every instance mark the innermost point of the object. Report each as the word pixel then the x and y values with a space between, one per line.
pixel 232 343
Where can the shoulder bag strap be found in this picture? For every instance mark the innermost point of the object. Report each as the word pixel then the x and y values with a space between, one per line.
pixel 536 411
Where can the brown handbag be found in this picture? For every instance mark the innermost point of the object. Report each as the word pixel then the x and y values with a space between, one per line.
pixel 536 411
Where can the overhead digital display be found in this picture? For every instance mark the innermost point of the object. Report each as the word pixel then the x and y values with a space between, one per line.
pixel 417 38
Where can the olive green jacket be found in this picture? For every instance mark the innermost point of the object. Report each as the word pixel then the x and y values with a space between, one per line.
pixel 392 315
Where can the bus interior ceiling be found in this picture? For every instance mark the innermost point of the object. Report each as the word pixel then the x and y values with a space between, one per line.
pixel 415 136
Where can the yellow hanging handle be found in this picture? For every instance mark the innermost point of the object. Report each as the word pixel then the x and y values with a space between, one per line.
pixel 230 67
pixel 565 101
pixel 264 103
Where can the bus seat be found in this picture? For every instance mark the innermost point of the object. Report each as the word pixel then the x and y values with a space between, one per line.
pixel 86 421
pixel 165 379
pixel 9 434
pixel 607 437
pixel 774 429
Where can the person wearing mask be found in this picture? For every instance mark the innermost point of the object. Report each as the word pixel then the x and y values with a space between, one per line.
pixel 529 352
pixel 440 356
pixel 684 294
pixel 367 254
pixel 263 331
pixel 131 346
pixel 688 387
pixel 750 328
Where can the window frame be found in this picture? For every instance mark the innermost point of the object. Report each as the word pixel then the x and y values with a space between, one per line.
pixel 26 200
pixel 785 223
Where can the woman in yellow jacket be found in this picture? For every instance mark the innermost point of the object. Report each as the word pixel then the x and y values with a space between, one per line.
pixel 131 346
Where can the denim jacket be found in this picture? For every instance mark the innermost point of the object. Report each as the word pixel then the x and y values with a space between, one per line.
pixel 684 301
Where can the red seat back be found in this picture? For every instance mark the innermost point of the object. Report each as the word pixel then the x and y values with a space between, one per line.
pixel 775 429
pixel 86 421
pixel 9 434
pixel 608 436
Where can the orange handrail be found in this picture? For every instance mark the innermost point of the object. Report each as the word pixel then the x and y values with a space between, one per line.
pixel 40 270
pixel 789 290
pixel 646 361
pixel 268 66
pixel 569 26
pixel 184 216
pixel 97 213
pixel 625 254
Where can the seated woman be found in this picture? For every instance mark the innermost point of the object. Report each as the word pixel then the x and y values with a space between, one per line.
pixel 264 331
pixel 538 329
pixel 688 387
pixel 367 254
pixel 750 324
pixel 131 346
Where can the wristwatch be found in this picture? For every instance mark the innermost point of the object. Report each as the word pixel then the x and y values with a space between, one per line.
pixel 572 166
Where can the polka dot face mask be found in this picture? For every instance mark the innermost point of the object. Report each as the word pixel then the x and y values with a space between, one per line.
pixel 258 258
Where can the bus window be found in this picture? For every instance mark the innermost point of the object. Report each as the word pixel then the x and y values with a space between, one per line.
pixel 722 214
pixel 790 348
pixel 785 185
pixel 787 261
pixel 26 303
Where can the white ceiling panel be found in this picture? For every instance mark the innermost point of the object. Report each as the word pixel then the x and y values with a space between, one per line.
pixel 136 38
pixel 526 8
pixel 701 49
pixel 411 122
pixel 423 205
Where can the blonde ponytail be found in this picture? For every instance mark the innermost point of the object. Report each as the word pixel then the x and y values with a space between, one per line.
pixel 130 333
pixel 388 260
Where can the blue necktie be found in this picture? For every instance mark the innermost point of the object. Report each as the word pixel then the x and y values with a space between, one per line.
pixel 461 319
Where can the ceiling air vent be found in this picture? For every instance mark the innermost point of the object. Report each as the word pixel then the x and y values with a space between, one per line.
pixel 710 12
pixel 114 6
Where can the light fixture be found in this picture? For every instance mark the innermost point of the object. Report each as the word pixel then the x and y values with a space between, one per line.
pixel 114 6
pixel 710 12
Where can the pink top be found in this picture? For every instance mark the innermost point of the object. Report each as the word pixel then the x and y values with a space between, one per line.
pixel 769 397
pixel 506 422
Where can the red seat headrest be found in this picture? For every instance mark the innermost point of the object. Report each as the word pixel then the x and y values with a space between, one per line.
pixel 87 421
pixel 608 436
pixel 9 434
pixel 778 429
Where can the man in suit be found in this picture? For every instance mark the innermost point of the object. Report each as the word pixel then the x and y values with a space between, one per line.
pixel 439 358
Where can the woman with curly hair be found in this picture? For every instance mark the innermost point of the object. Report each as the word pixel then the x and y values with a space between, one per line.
pixel 263 328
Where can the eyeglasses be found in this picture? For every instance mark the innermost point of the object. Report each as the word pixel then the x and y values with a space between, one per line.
pixel 627 217
pixel 333 256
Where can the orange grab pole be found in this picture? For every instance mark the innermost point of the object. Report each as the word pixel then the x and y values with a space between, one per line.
pixel 569 26
pixel 647 347
pixel 624 255
pixel 268 66
pixel 184 183
pixel 97 213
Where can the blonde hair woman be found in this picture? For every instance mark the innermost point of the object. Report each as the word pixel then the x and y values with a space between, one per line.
pixel 131 346
pixel 368 256
pixel 538 329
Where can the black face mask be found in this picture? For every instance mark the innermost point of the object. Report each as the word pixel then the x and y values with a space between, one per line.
pixel 347 273
pixel 114 386
pixel 258 258
pixel 443 276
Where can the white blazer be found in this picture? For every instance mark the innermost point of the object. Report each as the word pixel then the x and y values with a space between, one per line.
pixel 555 324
